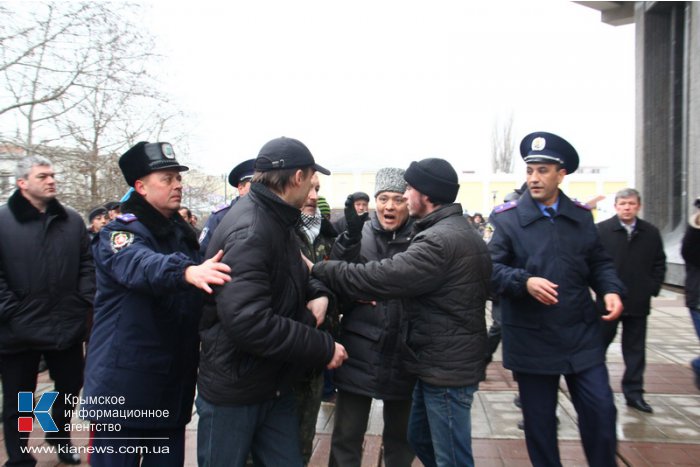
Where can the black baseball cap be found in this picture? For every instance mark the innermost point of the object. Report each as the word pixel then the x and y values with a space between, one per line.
pixel 286 153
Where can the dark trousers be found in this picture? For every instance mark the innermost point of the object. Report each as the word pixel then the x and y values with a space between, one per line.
pixel 351 416
pixel 133 447
pixel 593 400
pixel 19 374
pixel 634 336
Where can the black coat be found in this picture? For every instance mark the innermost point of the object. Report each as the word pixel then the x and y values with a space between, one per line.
pixel 47 277
pixel 144 343
pixel 690 250
pixel 443 279
pixel 258 334
pixel 640 263
pixel 372 334
pixel 550 339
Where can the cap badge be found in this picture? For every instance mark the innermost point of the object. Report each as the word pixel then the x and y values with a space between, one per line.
pixel 168 151
pixel 538 143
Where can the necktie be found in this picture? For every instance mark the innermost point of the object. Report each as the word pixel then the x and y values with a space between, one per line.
pixel 629 230
pixel 551 212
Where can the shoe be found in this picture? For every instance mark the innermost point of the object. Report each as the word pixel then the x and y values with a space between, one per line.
pixel 640 404
pixel 69 458
pixel 516 401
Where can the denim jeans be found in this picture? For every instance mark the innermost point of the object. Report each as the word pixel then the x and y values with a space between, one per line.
pixel 268 430
pixel 440 425
pixel 695 315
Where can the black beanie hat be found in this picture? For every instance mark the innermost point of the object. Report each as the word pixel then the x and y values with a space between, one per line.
pixel 435 178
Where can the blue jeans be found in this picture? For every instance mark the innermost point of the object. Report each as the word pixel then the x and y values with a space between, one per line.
pixel 268 430
pixel 695 315
pixel 440 425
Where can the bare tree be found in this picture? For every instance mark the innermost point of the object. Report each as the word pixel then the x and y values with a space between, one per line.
pixel 502 146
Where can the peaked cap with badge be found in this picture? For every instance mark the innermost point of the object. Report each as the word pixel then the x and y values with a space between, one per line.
pixel 144 158
pixel 241 172
pixel 541 147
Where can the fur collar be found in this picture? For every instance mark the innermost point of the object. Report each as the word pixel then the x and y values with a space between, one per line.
pixel 23 210
pixel 156 223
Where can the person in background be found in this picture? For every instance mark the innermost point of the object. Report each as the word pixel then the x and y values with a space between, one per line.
pixel 239 178
pixel 371 333
pixel 690 250
pixel 547 255
pixel 144 345
pixel 113 209
pixel 360 200
pixel 47 286
pixel 97 219
pixel 638 252
pixel 190 218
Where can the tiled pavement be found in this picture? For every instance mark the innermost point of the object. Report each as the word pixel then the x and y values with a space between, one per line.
pixel 671 436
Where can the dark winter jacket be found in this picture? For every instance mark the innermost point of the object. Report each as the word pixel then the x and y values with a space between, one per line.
pixel 47 277
pixel 640 263
pixel 550 339
pixel 258 335
pixel 372 334
pixel 443 279
pixel 144 342
pixel 690 250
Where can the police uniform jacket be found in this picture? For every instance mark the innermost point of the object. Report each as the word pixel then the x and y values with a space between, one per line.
pixel 690 250
pixel 47 277
pixel 372 334
pixel 640 263
pixel 550 339
pixel 144 341
pixel 212 223
pixel 257 335
pixel 443 279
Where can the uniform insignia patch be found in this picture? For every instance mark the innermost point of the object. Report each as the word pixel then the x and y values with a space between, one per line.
pixel 203 235
pixel 120 240
pixel 127 217
pixel 581 205
pixel 505 206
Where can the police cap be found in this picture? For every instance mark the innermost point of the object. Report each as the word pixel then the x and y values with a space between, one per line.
pixel 541 147
pixel 286 153
pixel 244 170
pixel 144 158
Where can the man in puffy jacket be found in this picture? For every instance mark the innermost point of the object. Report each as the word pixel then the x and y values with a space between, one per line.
pixel 47 285
pixel 443 279
pixel 142 358
pixel 371 333
pixel 260 336
pixel 547 255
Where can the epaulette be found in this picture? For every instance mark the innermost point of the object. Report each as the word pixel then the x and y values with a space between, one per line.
pixel 581 205
pixel 505 206
pixel 221 208
pixel 127 217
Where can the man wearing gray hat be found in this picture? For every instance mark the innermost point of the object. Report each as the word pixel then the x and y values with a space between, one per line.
pixel 443 281
pixel 259 334
pixel 142 358
pixel 547 255
pixel 371 333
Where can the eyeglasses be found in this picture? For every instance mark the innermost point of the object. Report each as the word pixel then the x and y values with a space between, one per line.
pixel 398 200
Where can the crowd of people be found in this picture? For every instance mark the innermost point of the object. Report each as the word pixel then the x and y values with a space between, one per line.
pixel 139 316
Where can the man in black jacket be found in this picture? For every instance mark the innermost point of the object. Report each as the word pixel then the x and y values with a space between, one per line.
pixel 260 334
pixel 47 285
pixel 690 250
pixel 443 279
pixel 638 252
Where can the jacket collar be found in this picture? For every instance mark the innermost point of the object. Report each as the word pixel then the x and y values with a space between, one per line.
pixel 160 226
pixel 436 216
pixel 23 210
pixel 287 214
pixel 529 212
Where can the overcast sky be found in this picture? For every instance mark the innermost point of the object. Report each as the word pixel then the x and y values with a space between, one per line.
pixel 367 84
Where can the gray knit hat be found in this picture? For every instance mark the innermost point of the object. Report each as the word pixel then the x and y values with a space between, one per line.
pixel 390 179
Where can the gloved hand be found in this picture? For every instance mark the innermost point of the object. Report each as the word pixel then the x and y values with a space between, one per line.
pixel 354 221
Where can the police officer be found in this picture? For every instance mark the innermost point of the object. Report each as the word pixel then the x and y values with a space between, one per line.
pixel 143 352
pixel 239 178
pixel 546 254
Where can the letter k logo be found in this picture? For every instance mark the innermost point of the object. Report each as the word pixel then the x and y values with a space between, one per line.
pixel 25 403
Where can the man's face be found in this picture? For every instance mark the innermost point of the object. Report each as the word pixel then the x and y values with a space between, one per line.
pixel 416 202
pixel 162 189
pixel 113 213
pixel 627 208
pixel 392 210
pixel 40 184
pixel 98 222
pixel 309 207
pixel 244 187
pixel 543 182
pixel 361 206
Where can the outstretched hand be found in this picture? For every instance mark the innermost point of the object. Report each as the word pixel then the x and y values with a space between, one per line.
pixel 210 272
pixel 354 221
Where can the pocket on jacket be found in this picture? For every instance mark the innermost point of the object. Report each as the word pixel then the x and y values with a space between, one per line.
pixel 31 323
pixel 145 359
